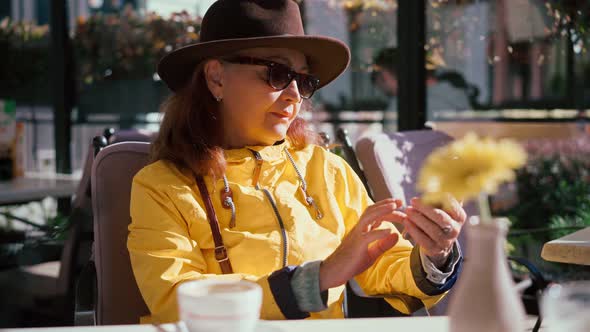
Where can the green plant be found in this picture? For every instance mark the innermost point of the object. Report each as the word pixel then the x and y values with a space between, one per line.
pixel 18 247
pixel 128 46
pixel 57 227
pixel 549 188
pixel 573 14
pixel 581 218
pixel 106 47
pixel 554 183
pixel 24 58
pixel 553 200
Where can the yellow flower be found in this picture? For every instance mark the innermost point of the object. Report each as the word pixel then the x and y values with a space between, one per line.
pixel 467 167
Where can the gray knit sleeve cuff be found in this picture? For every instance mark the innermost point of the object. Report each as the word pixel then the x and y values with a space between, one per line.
pixel 306 287
pixel 440 276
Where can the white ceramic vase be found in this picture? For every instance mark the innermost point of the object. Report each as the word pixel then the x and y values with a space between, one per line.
pixel 484 298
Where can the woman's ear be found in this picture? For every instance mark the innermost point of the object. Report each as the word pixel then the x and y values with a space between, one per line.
pixel 214 76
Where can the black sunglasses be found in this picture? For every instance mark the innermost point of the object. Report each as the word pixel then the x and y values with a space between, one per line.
pixel 280 75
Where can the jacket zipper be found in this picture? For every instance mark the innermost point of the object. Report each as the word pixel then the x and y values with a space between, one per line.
pixel 257 170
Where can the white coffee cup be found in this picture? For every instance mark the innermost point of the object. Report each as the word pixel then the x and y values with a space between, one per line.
pixel 219 305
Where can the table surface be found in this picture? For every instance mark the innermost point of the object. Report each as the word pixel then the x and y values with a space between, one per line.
pixel 36 186
pixel 411 324
pixel 573 248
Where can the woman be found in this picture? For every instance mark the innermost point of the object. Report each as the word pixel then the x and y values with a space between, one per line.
pixel 237 190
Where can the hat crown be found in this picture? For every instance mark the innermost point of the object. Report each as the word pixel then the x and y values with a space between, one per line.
pixel 235 19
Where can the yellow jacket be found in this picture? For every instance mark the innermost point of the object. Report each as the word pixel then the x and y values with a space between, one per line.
pixel 170 239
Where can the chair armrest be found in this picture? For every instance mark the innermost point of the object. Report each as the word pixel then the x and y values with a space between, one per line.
pixel 538 282
pixel 536 275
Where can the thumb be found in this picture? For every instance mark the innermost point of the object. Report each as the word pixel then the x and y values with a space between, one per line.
pixel 382 245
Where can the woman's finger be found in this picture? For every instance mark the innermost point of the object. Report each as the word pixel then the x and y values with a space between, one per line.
pixel 398 202
pixel 420 237
pixel 393 217
pixel 440 217
pixel 457 211
pixel 371 215
pixel 439 235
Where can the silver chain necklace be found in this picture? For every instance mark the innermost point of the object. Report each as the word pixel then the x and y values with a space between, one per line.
pixel 308 199
pixel 227 197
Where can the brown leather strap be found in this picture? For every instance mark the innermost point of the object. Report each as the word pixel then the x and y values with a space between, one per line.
pixel 220 250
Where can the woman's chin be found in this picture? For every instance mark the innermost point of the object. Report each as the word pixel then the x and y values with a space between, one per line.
pixel 277 132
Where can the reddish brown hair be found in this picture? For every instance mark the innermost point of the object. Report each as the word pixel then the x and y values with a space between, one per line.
pixel 191 133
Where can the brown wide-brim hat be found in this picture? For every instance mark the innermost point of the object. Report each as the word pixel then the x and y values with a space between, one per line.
pixel 233 25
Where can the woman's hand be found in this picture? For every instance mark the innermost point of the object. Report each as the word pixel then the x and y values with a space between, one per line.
pixel 362 245
pixel 435 230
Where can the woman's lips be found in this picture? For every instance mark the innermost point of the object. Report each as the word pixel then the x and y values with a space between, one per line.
pixel 282 115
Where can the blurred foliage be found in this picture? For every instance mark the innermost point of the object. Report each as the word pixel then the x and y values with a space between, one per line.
pixel 24 58
pixel 21 247
pixel 581 218
pixel 106 47
pixel 570 13
pixel 554 186
pixel 129 46
pixel 57 228
pixel 549 188
pixel 553 200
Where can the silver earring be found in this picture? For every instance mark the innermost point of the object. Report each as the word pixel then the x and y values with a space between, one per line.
pixel 218 99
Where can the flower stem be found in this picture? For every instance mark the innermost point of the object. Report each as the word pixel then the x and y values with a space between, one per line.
pixel 485 214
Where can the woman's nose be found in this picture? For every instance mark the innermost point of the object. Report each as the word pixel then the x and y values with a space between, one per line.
pixel 291 92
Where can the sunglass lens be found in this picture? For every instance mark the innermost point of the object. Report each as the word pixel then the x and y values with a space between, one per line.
pixel 307 85
pixel 280 77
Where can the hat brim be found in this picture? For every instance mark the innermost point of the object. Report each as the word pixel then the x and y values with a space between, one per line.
pixel 326 57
